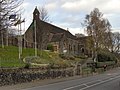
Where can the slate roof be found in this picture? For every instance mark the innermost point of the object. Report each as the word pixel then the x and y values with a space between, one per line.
pixel 54 29
pixel 57 37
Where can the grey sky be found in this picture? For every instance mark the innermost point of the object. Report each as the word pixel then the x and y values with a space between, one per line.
pixel 70 13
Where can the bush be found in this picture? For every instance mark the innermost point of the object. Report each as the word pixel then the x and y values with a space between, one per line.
pixel 104 56
pixel 108 63
pixel 50 47
pixel 62 56
pixel 72 58
pixel 67 57
pixel 27 66
pixel 83 56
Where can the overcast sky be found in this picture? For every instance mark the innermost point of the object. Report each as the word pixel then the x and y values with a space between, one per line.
pixel 71 13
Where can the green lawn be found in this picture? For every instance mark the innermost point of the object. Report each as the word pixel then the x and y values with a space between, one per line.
pixel 9 57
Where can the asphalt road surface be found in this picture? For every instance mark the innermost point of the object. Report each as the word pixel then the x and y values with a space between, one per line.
pixel 110 80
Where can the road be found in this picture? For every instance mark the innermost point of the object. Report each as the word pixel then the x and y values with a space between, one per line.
pixel 107 81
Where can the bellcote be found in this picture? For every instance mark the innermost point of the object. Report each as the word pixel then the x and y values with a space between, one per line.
pixel 36 14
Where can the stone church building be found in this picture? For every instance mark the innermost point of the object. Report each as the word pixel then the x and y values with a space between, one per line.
pixel 62 40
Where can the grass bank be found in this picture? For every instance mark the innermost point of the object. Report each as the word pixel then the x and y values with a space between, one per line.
pixel 9 57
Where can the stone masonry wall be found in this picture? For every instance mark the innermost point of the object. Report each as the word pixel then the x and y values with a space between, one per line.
pixel 14 76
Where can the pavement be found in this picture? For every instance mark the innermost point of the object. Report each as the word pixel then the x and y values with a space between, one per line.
pixel 109 80
pixel 37 83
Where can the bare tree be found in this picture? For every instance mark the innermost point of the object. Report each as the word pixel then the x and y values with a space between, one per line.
pixel 116 42
pixel 7 7
pixel 98 29
pixel 43 14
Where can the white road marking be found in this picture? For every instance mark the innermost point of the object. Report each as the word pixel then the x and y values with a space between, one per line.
pixel 109 74
pixel 88 86
pixel 85 85
pixel 99 83
pixel 75 86
pixel 81 85
pixel 112 73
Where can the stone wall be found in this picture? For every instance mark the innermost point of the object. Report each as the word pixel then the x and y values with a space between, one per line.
pixel 15 76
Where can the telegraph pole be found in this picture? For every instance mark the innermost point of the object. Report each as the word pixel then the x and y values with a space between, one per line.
pixel 7 35
pixel 20 37
pixel 2 37
pixel 19 42
pixel 24 37
pixel 35 38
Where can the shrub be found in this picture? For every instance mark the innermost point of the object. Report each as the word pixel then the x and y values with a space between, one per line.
pixel 72 58
pixel 63 56
pixel 50 47
pixel 27 66
pixel 104 56
pixel 108 63
pixel 83 56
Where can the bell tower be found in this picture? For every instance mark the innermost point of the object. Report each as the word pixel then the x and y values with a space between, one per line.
pixel 36 14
